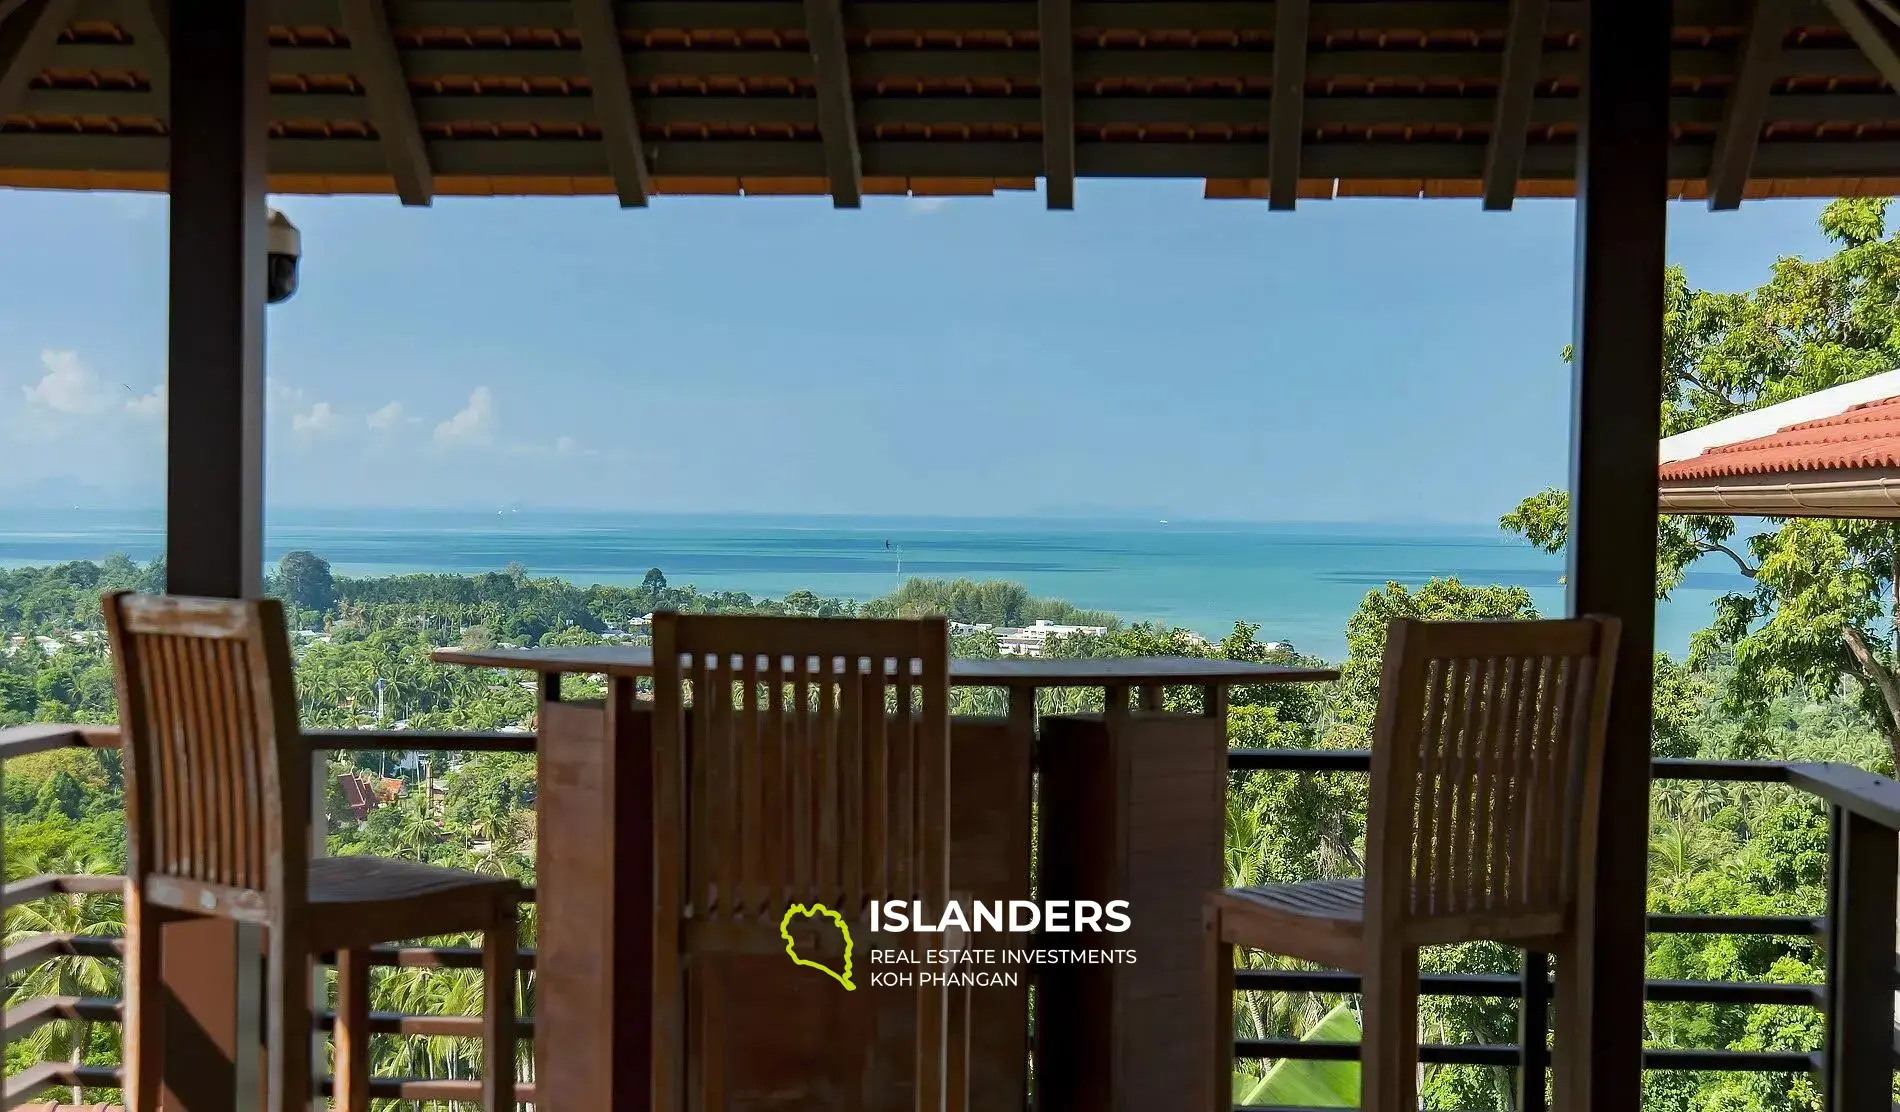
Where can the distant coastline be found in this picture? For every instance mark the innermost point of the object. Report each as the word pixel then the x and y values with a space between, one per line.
pixel 1298 581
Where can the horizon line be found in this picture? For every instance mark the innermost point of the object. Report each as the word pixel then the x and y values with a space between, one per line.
pixel 1115 516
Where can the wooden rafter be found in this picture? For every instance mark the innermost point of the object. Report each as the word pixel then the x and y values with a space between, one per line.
pixel 1517 87
pixel 606 62
pixel 25 40
pixel 1746 107
pixel 1873 39
pixel 379 67
pixel 837 113
pixel 1056 27
pixel 150 22
pixel 1291 19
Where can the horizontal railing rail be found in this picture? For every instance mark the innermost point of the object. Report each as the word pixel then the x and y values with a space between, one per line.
pixel 1856 799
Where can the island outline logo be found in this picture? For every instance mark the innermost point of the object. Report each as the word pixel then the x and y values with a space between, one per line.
pixel 791 947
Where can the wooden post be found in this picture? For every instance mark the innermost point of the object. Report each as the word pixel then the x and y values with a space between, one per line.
pixel 1622 180
pixel 1861 892
pixel 215 469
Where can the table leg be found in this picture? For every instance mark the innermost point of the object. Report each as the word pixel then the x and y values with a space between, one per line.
pixel 595 903
pixel 1132 807
pixel 990 816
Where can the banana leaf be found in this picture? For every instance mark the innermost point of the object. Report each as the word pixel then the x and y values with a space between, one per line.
pixel 1309 1084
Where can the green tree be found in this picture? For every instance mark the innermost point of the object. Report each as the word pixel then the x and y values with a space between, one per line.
pixel 304 581
pixel 1822 606
pixel 654 582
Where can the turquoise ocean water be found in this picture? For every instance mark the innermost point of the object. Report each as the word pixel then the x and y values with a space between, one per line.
pixel 1299 582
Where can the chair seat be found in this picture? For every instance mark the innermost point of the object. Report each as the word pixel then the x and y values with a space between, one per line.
pixel 362 900
pixel 1320 920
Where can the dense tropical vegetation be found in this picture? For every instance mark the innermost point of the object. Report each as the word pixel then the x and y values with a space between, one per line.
pixel 1802 666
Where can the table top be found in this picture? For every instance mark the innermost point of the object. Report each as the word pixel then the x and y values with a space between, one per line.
pixel 1018 671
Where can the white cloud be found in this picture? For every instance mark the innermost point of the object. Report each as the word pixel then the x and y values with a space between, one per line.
pixel 473 425
pixel 319 421
pixel 148 407
pixel 387 418
pixel 927 204
pixel 565 446
pixel 68 387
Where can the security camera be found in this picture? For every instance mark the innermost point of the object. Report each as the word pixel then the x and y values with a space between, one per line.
pixel 285 247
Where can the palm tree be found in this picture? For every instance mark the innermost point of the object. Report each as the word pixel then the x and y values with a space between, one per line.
pixel 91 914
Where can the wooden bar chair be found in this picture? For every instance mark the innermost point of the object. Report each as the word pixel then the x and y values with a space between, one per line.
pixel 1487 764
pixel 796 761
pixel 218 801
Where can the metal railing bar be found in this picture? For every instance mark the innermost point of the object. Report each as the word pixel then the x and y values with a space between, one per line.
pixel 482 741
pixel 24 1019
pixel 429 1026
pixel 1785 926
pixel 1360 760
pixel 1479 1054
pixel 44 947
pixel 32 1082
pixel 1506 986
pixel 40 887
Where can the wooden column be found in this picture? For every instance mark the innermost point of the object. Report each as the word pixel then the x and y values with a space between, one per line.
pixel 1622 178
pixel 215 468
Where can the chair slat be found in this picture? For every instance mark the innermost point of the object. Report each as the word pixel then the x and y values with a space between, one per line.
pixel 1491 757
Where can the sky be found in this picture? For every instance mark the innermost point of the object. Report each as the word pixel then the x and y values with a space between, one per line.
pixel 1150 353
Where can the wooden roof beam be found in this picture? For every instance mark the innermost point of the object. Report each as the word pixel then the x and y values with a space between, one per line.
pixel 1286 109
pixel 366 22
pixel 150 22
pixel 837 112
pixel 606 62
pixel 1871 36
pixel 1056 28
pixel 1517 87
pixel 1746 108
pixel 26 38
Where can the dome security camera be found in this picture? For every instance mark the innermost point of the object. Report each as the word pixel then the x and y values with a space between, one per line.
pixel 285 247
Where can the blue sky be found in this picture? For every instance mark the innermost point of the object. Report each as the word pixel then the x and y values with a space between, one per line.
pixel 1149 353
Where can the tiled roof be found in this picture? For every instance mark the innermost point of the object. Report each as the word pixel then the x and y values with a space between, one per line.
pixel 1864 437
pixel 1399 98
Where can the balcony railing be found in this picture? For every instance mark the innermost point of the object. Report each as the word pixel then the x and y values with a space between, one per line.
pixel 1856 929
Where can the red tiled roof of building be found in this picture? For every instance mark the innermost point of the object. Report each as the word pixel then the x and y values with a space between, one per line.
pixel 1864 437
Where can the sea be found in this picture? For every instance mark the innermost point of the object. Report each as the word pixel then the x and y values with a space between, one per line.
pixel 1298 582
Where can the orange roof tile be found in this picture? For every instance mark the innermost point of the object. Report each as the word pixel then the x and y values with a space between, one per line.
pixel 1865 437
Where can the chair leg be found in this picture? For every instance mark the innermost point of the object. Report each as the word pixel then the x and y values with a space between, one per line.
pixel 1388 1070
pixel 498 1010
pixel 145 1003
pixel 1570 1049
pixel 288 1043
pixel 351 1086
pixel 1219 971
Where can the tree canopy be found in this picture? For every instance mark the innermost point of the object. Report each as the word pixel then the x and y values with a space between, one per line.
pixel 1822 606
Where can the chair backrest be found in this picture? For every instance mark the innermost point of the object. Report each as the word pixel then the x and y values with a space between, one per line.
pixel 811 764
pixel 1486 770
pixel 217 783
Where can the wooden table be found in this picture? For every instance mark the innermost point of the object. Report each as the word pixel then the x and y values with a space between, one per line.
pixel 1133 807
